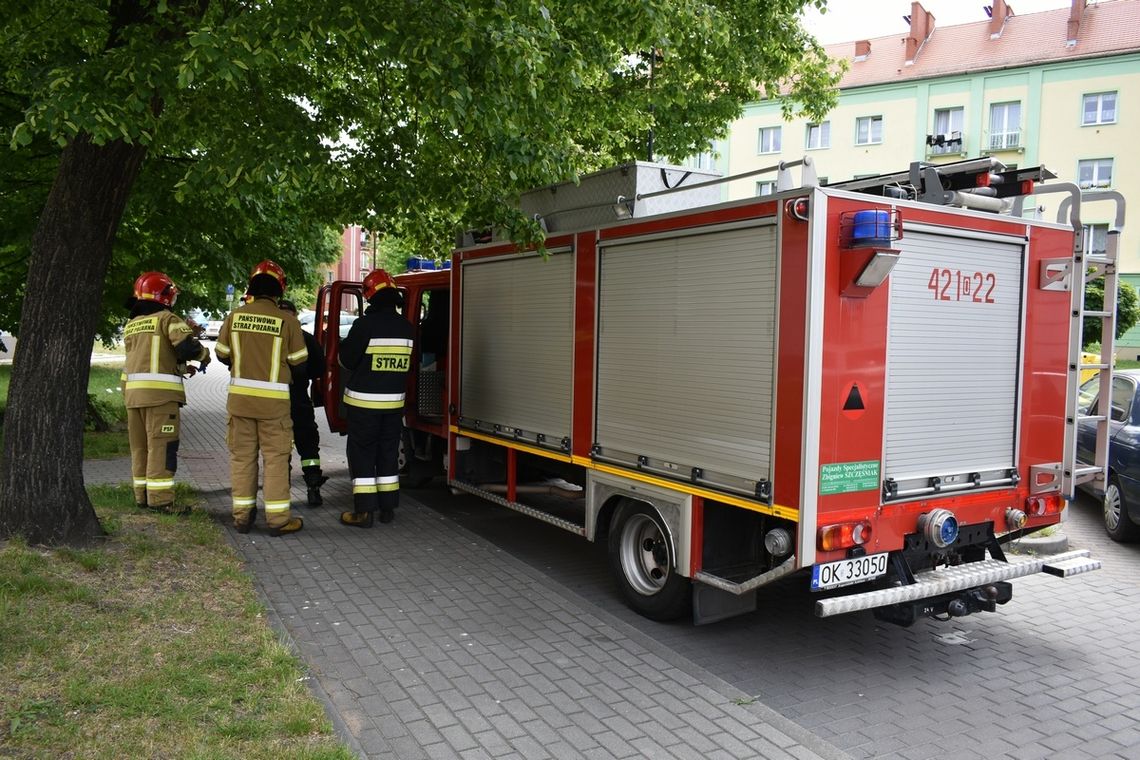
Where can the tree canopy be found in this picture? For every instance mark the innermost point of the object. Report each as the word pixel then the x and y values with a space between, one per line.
pixel 200 136
pixel 265 123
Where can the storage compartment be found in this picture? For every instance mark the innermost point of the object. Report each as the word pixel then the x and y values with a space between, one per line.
pixel 686 346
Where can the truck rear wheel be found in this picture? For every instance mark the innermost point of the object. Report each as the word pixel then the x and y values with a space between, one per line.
pixel 644 565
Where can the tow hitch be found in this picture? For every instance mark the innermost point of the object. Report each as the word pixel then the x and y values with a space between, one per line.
pixel 958 604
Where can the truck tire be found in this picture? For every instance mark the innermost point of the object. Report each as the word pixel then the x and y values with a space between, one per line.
pixel 1116 521
pixel 643 564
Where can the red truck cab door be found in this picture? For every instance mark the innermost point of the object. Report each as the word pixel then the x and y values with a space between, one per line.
pixel 338 305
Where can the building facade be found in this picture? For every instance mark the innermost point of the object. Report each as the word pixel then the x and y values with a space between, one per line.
pixel 1058 88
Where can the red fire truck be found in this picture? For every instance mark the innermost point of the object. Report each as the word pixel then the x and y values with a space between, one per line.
pixel 872 385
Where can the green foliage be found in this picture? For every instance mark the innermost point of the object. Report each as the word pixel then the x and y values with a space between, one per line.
pixel 1127 310
pixel 266 123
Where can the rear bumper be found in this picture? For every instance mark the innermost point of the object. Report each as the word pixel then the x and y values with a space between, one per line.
pixel 946 580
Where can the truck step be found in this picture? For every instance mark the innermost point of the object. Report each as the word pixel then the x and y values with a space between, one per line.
pixel 950 579
pixel 1067 568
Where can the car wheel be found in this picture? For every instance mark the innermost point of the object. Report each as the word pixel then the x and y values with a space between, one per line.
pixel 643 563
pixel 1116 521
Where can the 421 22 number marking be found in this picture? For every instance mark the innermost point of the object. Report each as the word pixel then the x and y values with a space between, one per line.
pixel 955 285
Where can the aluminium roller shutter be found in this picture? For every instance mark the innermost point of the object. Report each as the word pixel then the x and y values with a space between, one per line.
pixel 686 343
pixel 953 356
pixel 516 362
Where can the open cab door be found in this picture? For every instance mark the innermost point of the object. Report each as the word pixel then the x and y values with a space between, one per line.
pixel 338 306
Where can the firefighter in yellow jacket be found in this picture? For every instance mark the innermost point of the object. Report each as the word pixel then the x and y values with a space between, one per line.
pixel 264 349
pixel 158 344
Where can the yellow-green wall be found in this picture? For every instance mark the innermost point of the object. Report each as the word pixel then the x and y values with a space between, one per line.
pixel 1052 134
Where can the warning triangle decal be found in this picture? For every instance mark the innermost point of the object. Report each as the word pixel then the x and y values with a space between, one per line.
pixel 854 399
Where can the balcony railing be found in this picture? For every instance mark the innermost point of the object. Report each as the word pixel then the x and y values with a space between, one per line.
pixel 1005 140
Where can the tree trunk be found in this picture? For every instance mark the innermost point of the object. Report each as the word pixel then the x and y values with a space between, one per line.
pixel 42 496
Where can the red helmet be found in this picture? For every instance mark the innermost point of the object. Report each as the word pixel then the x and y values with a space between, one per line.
pixel 375 281
pixel 271 268
pixel 156 286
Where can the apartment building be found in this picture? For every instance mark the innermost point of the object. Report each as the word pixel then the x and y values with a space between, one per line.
pixel 1059 88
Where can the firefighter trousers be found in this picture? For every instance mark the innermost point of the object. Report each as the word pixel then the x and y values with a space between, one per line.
pixel 274 438
pixel 306 438
pixel 153 435
pixel 374 458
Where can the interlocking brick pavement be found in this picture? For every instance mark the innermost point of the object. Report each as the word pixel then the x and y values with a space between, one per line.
pixel 427 641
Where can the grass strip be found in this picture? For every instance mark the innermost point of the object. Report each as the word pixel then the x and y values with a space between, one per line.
pixel 103 385
pixel 152 645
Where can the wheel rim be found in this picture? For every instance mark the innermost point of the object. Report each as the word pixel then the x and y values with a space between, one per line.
pixel 644 555
pixel 1112 507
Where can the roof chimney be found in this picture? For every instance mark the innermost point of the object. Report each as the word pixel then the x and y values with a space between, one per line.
pixel 1001 12
pixel 1075 14
pixel 921 27
pixel 862 49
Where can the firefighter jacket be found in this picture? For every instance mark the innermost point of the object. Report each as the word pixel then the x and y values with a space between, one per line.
pixel 314 369
pixel 259 342
pixel 151 374
pixel 377 352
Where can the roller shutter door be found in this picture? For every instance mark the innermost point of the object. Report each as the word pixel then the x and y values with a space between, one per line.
pixel 953 358
pixel 686 351
pixel 518 320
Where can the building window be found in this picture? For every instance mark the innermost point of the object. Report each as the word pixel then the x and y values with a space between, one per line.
pixel 1005 126
pixel 1096 238
pixel 947 135
pixel 1095 173
pixel 1099 108
pixel 818 136
pixel 769 140
pixel 868 130
pixel 765 188
pixel 704 161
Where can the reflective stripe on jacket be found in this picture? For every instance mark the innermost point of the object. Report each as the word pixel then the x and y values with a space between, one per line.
pixel 377 352
pixel 260 341
pixel 151 374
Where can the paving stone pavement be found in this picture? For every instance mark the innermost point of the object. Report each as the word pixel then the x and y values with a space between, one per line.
pixel 427 641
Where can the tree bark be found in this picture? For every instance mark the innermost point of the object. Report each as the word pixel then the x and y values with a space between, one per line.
pixel 42 496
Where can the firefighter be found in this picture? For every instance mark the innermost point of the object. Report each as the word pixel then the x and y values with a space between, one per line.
pixel 376 353
pixel 263 347
pixel 158 344
pixel 306 438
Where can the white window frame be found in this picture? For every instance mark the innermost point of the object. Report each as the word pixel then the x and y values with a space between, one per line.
pixel 822 130
pixel 769 140
pixel 1099 97
pixel 765 185
pixel 955 119
pixel 871 122
pixel 950 126
pixel 1099 167
pixel 1096 238
pixel 1009 136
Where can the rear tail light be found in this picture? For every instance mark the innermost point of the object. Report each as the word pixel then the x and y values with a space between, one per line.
pixel 1045 504
pixel 844 535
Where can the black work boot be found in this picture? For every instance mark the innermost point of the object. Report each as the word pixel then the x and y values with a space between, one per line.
pixel 313 481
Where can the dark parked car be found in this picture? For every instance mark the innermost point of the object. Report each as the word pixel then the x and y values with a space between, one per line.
pixel 1122 493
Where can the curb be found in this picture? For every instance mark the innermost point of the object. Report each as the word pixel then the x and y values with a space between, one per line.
pixel 1040 546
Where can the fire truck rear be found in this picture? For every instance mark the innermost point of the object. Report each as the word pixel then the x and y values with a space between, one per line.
pixel 871 386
